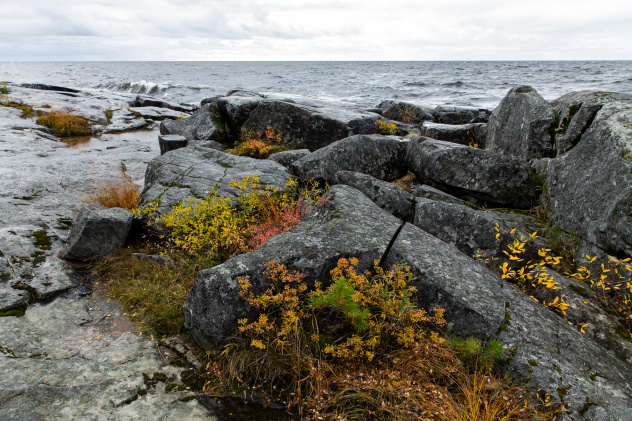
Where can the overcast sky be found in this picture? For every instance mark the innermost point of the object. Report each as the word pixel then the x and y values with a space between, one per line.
pixel 41 30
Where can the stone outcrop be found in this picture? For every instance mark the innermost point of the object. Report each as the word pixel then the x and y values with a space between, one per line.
pixel 544 350
pixel 347 224
pixel 201 125
pixel 286 158
pixel 98 231
pixel 589 188
pixel 405 112
pixel 388 196
pixel 196 171
pixel 463 134
pixel 576 112
pixel 380 156
pixel 478 173
pixel 171 142
pixel 309 126
pixel 522 125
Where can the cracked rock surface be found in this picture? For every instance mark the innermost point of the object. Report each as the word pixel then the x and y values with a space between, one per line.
pixel 75 355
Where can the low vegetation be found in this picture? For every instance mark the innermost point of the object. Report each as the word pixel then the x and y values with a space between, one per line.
pixel 361 349
pixel 386 128
pixel 256 145
pixel 65 124
pixel 7 101
pixel 117 192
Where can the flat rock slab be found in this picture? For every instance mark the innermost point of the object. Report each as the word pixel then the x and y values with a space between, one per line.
pixel 463 170
pixel 67 359
pixel 348 224
pixel 196 171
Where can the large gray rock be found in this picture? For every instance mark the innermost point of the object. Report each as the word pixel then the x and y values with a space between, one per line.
pixel 149 101
pixel 196 171
pixel 545 351
pixel 380 156
pixel 428 192
pixel 286 158
pixel 98 231
pixel 170 142
pixel 523 125
pixel 576 112
pixel 203 124
pixel 590 187
pixel 346 225
pixel 463 170
pixel 309 126
pixel 472 230
pixel 463 134
pixel 451 114
pixel 405 112
pixel 388 196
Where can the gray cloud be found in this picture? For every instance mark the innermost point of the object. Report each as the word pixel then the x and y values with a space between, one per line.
pixel 311 30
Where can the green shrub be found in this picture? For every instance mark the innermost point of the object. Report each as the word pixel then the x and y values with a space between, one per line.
pixel 65 124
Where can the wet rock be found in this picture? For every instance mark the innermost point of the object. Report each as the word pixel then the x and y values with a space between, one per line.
pixel 590 187
pixel 451 114
pixel 463 170
pixel 309 126
pixel 171 142
pixel 98 231
pixel 545 351
pixel 157 114
pixel 201 125
pixel 286 158
pixel 44 87
pixel 463 134
pixel 196 171
pixel 522 125
pixel 576 112
pixel 429 192
pixel 348 224
pixel 380 156
pixel 387 196
pixel 147 101
pixel 405 112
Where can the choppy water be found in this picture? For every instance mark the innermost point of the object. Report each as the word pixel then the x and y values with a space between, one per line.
pixel 365 83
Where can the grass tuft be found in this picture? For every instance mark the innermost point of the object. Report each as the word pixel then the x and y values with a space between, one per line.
pixel 65 124
pixel 117 192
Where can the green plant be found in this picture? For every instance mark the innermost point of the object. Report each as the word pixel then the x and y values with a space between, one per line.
pixel 384 127
pixel 65 124
pixel 3 88
pixel 108 115
pixel 358 349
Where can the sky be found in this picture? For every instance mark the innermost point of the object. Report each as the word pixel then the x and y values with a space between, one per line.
pixel 218 30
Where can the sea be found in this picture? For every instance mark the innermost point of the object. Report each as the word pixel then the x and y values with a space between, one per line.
pixel 361 83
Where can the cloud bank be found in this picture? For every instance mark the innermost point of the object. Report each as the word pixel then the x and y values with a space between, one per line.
pixel 315 30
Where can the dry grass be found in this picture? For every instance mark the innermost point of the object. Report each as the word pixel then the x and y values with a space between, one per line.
pixel 65 124
pixel 117 192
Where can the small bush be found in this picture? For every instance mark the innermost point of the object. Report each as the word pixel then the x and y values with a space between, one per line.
pixel 256 146
pixel 359 349
pixel 65 124
pixel 117 192
pixel 108 115
pixel 3 88
pixel 384 127
pixel 218 225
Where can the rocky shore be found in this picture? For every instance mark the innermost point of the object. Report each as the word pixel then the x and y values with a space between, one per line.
pixel 66 352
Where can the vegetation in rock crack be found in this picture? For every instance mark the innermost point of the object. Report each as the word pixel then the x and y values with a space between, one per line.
pixel 405 182
pixel 361 349
pixel 197 234
pixel 384 127
pixel 108 115
pixel 117 192
pixel 65 124
pixel 256 145
pixel 7 101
